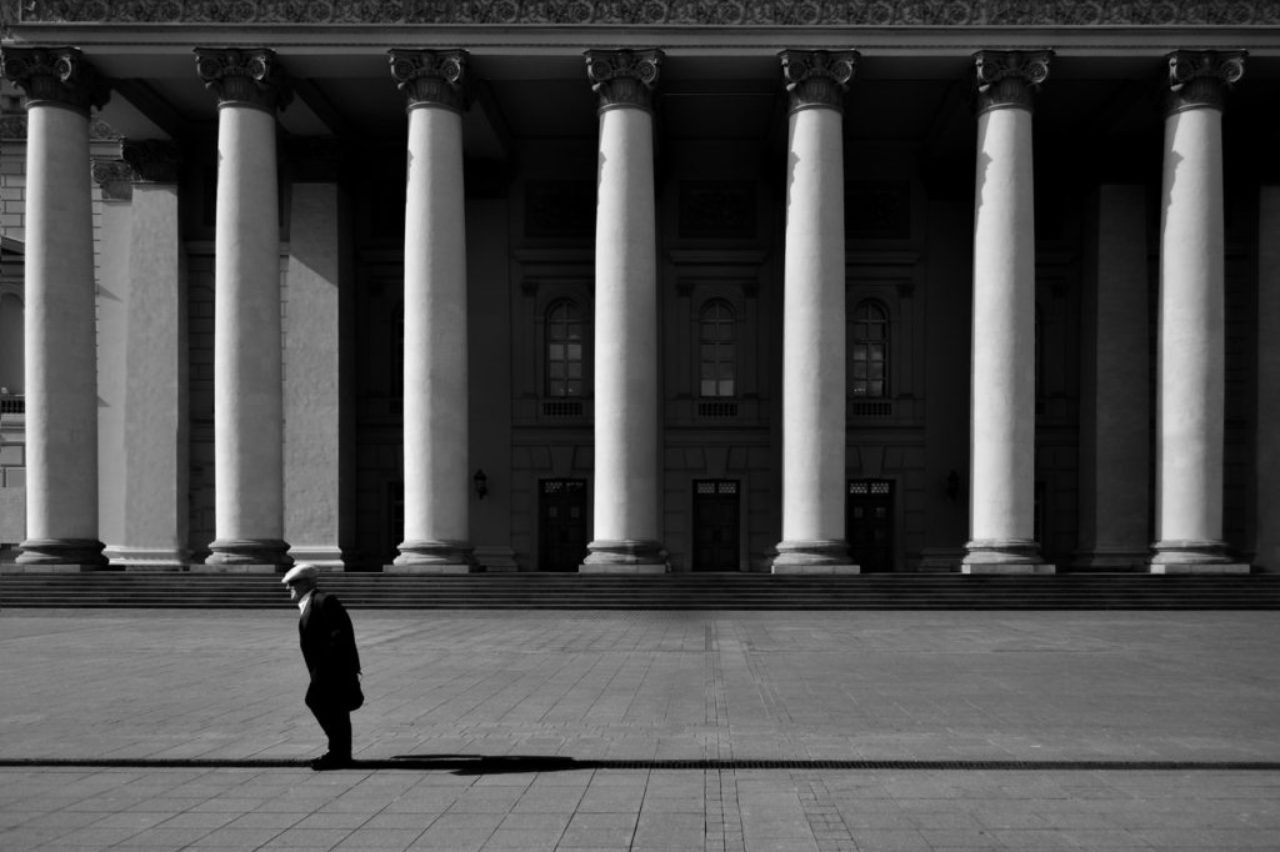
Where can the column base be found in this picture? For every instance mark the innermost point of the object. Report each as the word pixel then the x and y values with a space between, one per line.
pixel 1009 556
pixel 325 558
pixel 829 556
pixel 1110 561
pixel 432 557
pixel 146 559
pixel 630 556
pixel 60 554
pixel 1188 556
pixel 229 554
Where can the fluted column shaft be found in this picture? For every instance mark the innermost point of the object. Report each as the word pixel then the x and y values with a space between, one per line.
pixel 1002 423
pixel 436 472
pixel 813 333
pixel 60 353
pixel 628 484
pixel 248 407
pixel 1192 376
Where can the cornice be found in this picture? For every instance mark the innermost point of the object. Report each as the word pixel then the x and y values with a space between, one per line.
pixel 718 13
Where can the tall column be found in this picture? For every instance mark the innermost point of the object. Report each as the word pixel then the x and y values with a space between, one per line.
pixel 1191 402
pixel 319 415
pixel 60 353
pixel 1002 419
pixel 248 407
pixel 437 477
pixel 1115 409
pixel 813 318
pixel 628 472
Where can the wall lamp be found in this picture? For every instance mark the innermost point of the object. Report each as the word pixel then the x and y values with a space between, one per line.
pixel 481 483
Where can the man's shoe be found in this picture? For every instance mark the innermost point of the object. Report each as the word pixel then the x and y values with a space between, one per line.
pixel 329 760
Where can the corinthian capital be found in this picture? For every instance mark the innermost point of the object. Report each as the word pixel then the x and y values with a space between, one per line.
pixel 431 77
pixel 152 160
pixel 817 78
pixel 250 77
pixel 624 77
pixel 1201 78
pixel 1009 78
pixel 55 75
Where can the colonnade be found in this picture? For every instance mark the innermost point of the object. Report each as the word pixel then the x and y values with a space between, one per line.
pixel 250 87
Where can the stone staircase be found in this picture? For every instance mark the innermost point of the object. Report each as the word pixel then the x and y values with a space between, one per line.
pixel 114 589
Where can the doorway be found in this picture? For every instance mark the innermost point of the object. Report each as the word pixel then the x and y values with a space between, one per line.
pixel 869 524
pixel 715 525
pixel 562 524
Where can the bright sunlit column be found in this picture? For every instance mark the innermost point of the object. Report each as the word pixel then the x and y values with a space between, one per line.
pixel 437 481
pixel 628 473
pixel 248 418
pixel 60 349
pixel 1002 420
pixel 813 318
pixel 1192 404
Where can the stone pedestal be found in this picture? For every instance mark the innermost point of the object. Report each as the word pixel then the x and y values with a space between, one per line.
pixel 813 332
pixel 627 490
pixel 1002 430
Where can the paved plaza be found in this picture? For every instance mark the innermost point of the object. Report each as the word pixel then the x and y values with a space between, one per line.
pixel 661 731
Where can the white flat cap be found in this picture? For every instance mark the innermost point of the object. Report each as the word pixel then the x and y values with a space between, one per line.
pixel 303 571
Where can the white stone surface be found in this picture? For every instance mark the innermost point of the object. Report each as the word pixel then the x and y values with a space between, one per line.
pixel 248 429
pixel 61 374
pixel 437 481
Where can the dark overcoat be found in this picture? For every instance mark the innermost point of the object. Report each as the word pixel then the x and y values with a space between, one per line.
pixel 329 649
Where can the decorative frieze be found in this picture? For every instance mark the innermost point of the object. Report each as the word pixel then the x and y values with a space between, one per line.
pixel 748 13
pixel 250 77
pixel 1201 78
pixel 55 75
pixel 152 160
pixel 624 77
pixel 1009 78
pixel 430 77
pixel 817 78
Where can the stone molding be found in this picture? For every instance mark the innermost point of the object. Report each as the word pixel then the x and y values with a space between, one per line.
pixel 775 13
pixel 13 128
pixel 624 77
pixel 817 78
pixel 430 77
pixel 1009 78
pixel 55 75
pixel 1202 78
pixel 152 160
pixel 251 77
pixel 115 178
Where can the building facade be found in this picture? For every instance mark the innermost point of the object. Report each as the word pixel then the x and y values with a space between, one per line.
pixel 974 285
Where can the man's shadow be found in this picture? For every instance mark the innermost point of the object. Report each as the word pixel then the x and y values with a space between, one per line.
pixel 468 764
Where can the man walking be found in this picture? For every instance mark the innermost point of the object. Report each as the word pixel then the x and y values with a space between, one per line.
pixel 329 650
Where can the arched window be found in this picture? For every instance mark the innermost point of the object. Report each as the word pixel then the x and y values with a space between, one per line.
pixel 869 351
pixel 566 350
pixel 717 350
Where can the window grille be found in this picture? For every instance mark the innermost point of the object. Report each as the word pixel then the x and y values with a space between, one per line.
pixel 565 350
pixel 717 409
pixel 716 486
pixel 561 408
pixel 717 350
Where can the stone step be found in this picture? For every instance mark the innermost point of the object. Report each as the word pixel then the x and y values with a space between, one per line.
pixel 672 591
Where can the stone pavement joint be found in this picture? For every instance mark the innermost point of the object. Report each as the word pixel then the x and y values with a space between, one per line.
pixel 635 730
